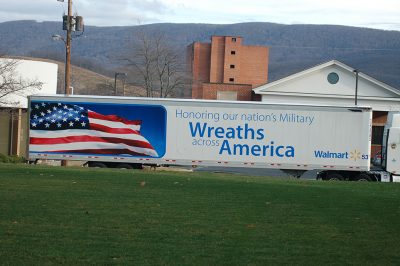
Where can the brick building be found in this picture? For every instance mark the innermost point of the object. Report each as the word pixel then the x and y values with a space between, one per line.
pixel 225 69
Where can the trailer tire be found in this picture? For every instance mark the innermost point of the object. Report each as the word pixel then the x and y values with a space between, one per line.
pixel 363 177
pixel 334 177
pixel 97 165
pixel 124 166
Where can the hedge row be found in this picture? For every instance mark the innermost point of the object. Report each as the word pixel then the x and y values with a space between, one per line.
pixel 11 159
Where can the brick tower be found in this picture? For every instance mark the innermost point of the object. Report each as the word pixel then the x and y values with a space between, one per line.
pixel 225 69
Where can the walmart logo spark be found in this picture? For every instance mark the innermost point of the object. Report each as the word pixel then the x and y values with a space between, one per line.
pixel 355 155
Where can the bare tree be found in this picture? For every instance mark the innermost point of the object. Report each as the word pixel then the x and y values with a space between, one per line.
pixel 12 83
pixel 159 66
pixel 169 72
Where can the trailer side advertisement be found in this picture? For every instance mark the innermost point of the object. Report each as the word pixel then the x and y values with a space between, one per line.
pixel 194 131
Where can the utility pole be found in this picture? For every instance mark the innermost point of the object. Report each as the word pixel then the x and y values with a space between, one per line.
pixel 70 24
pixel 356 92
pixel 68 58
pixel 68 50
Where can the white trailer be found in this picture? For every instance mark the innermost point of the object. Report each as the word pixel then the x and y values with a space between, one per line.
pixel 126 132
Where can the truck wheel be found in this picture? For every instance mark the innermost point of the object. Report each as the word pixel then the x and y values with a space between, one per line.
pixel 363 177
pixel 97 165
pixel 124 166
pixel 334 177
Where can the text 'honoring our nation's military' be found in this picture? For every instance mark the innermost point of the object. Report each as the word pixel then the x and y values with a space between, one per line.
pixel 242 134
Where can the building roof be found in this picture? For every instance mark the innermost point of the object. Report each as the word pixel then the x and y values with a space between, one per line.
pixel 269 87
pixel 331 83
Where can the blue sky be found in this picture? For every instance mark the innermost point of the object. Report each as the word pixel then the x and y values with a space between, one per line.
pixel 383 14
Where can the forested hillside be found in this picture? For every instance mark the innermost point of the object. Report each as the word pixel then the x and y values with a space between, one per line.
pixel 292 47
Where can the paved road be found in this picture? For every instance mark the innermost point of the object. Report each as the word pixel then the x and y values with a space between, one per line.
pixel 255 172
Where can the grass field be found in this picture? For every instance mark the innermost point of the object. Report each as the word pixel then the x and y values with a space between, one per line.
pixel 52 215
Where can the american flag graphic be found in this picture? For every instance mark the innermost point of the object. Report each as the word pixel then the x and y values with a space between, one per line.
pixel 68 128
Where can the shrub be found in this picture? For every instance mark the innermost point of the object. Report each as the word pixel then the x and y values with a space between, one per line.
pixel 4 158
pixel 11 159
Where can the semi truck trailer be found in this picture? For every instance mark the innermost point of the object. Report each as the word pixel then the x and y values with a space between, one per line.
pixel 129 132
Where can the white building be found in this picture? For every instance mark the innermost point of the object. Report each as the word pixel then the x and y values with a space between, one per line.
pixel 30 70
pixel 13 113
pixel 334 83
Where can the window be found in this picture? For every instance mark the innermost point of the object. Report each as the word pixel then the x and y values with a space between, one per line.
pixel 233 52
pixel 232 66
pixel 233 39
pixel 227 95
pixel 333 78
pixel 377 135
pixel 231 79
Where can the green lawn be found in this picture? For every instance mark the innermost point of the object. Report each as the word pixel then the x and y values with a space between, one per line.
pixel 53 215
